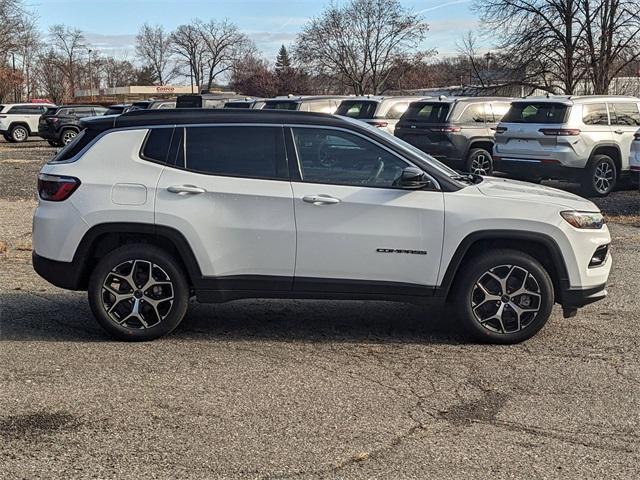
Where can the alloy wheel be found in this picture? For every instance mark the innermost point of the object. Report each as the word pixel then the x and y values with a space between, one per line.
pixel 603 177
pixel 19 134
pixel 68 137
pixel 481 164
pixel 137 294
pixel 506 299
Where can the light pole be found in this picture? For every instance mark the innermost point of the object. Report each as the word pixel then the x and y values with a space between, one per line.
pixel 90 78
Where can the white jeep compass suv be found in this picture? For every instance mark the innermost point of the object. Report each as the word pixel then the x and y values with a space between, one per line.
pixel 147 209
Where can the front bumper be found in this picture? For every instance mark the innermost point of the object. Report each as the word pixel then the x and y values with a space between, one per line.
pixel 579 297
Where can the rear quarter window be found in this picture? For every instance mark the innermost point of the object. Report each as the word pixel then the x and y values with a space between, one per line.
pixel 536 112
pixel 156 145
pixel 72 149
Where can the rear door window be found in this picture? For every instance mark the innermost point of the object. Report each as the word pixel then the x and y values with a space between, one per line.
pixel 595 114
pixel 474 113
pixel 625 114
pixel 536 112
pixel 236 151
pixel 432 112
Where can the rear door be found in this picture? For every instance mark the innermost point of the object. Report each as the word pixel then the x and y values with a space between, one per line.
pixel 227 190
pixel 357 231
pixel 625 120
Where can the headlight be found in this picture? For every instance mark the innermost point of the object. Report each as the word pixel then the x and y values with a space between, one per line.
pixel 593 220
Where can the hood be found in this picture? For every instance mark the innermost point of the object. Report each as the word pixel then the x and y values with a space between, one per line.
pixel 517 190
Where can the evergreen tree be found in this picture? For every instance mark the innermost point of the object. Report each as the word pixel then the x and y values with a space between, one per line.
pixel 283 62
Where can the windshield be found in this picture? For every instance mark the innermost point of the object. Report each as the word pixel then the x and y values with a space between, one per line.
pixel 413 151
pixel 357 108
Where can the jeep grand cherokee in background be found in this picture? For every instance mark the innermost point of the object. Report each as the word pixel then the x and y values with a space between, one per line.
pixel 148 208
pixel 583 138
pixel 456 131
pixel 19 121
pixel 60 125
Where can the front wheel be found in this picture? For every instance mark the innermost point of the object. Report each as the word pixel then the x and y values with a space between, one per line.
pixel 600 176
pixel 138 292
pixel 503 296
pixel 19 134
pixel 480 162
pixel 68 136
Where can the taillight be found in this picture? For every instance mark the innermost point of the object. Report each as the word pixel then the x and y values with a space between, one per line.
pixel 379 124
pixel 501 129
pixel 446 129
pixel 560 132
pixel 55 188
pixel 636 137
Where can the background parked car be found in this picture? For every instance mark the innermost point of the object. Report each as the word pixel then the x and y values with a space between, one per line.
pixel 381 112
pixel 634 157
pixel 319 103
pixel 60 125
pixel 456 131
pixel 206 100
pixel 18 121
pixel 583 138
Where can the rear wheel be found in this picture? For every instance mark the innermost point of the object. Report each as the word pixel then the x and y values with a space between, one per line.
pixel 19 133
pixel 600 176
pixel 68 136
pixel 480 162
pixel 138 292
pixel 503 296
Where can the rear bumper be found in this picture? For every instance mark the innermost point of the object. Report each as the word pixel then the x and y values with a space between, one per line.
pixel 543 168
pixel 577 298
pixel 48 133
pixel 66 275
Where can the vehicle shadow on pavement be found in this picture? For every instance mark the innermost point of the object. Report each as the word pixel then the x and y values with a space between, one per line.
pixel 29 316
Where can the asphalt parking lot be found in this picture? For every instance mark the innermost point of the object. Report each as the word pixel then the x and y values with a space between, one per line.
pixel 310 389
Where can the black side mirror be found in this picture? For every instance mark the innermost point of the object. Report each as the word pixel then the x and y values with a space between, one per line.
pixel 413 178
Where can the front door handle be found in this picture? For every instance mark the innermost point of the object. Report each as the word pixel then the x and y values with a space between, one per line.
pixel 185 189
pixel 321 199
pixel 619 132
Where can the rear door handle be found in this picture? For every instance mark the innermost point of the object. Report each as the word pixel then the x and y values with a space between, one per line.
pixel 185 189
pixel 321 199
pixel 619 132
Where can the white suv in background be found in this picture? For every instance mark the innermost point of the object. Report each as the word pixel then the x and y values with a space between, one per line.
pixel 149 208
pixel 583 138
pixel 18 121
pixel 381 112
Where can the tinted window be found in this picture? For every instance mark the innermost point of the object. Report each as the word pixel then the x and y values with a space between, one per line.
pixel 474 113
pixel 100 110
pixel 285 105
pixel 396 110
pixel 625 114
pixel 26 110
pixel 73 148
pixel 595 114
pixel 499 110
pixel 83 112
pixel 341 158
pixel 536 112
pixel 156 146
pixel 427 112
pixel 357 109
pixel 234 151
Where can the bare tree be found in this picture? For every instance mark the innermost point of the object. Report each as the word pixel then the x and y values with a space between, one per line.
pixel 69 44
pixel 360 42
pixel 51 77
pixel 187 45
pixel 11 19
pixel 224 44
pixel 611 39
pixel 468 49
pixel 153 47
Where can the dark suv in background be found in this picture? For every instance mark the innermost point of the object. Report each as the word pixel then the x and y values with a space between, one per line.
pixel 60 125
pixel 457 131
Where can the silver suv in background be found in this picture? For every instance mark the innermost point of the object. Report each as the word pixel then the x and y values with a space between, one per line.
pixel 318 104
pixel 456 131
pixel 381 112
pixel 583 138
pixel 18 121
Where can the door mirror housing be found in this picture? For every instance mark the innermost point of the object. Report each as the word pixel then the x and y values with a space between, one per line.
pixel 413 178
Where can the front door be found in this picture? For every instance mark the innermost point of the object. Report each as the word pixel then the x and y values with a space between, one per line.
pixel 356 230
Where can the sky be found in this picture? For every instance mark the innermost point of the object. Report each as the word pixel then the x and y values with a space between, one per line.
pixel 110 25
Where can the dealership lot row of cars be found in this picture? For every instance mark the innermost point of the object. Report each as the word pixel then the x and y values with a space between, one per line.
pixel 594 140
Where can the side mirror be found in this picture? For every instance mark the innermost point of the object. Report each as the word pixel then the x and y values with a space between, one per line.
pixel 413 178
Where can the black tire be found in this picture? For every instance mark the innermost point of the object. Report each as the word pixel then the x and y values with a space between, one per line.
pixel 7 137
pixel 480 162
pixel 593 182
pixel 54 143
pixel 473 305
pixel 125 318
pixel 19 133
pixel 68 135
